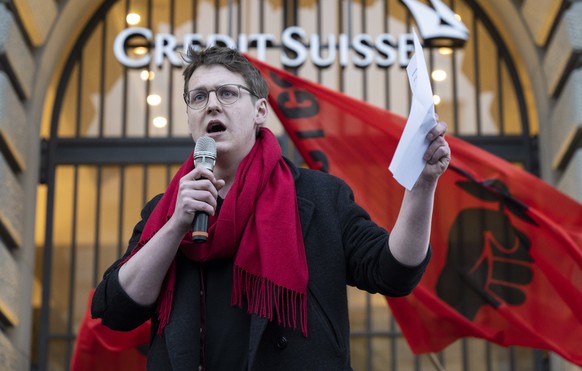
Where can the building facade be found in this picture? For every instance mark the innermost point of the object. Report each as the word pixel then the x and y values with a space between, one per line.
pixel 90 131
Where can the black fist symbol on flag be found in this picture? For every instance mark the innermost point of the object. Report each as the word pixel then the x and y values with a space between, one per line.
pixel 488 261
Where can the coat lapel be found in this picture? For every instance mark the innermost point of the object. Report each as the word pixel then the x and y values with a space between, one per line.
pixel 182 334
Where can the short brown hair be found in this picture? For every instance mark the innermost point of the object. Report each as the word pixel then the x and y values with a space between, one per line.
pixel 229 58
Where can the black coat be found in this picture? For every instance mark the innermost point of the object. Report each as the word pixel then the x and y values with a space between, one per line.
pixel 343 247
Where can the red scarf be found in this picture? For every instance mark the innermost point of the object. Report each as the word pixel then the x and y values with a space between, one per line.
pixel 259 226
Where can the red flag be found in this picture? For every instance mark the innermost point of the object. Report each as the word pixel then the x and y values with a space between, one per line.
pixel 507 247
pixel 100 348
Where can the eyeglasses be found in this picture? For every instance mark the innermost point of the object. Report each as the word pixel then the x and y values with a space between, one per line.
pixel 226 94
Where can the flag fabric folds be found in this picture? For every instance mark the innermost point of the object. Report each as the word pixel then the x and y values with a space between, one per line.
pixel 507 247
pixel 99 348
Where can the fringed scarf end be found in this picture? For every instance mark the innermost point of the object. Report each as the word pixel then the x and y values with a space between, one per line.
pixel 265 298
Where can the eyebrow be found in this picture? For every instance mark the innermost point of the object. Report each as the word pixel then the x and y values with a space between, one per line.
pixel 210 87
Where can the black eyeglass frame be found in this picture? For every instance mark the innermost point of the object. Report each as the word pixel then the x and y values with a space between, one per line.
pixel 215 90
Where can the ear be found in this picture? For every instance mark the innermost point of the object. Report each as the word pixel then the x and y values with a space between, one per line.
pixel 261 111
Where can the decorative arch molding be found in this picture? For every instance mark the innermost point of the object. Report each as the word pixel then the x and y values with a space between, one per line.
pixel 518 37
pixel 77 22
pixel 71 20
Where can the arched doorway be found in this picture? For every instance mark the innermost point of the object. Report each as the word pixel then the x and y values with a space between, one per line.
pixel 106 157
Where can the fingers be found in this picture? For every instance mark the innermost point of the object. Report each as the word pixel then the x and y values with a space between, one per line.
pixel 200 172
pixel 438 152
pixel 438 131
pixel 198 195
pixel 198 191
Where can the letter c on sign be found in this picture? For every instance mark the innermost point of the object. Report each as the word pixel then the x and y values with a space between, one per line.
pixel 119 47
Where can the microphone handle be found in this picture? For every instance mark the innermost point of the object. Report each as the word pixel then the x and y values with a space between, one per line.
pixel 200 227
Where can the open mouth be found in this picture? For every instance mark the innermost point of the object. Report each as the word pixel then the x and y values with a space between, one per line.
pixel 215 127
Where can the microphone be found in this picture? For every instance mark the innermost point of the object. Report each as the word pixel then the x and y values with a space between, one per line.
pixel 204 155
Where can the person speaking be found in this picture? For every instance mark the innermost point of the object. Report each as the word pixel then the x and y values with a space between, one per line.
pixel 267 289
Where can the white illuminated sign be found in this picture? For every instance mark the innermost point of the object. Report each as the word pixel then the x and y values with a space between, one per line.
pixel 362 50
pixel 438 22
pixel 383 50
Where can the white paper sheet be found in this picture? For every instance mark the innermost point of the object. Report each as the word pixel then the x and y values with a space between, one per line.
pixel 407 163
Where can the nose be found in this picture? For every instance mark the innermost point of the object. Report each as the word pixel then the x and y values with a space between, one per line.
pixel 213 102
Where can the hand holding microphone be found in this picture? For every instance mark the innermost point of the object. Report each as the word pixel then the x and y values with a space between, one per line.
pixel 204 155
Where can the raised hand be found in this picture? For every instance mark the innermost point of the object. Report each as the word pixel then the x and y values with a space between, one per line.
pixel 437 155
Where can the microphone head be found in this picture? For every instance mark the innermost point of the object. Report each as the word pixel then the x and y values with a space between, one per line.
pixel 205 153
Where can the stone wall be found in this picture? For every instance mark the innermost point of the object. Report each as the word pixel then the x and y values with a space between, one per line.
pixel 556 26
pixel 557 31
pixel 24 26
